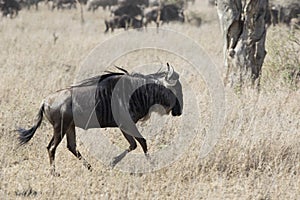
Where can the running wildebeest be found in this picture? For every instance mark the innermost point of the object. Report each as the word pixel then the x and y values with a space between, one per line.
pixel 106 98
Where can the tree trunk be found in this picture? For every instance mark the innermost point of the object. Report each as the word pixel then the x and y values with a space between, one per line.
pixel 244 30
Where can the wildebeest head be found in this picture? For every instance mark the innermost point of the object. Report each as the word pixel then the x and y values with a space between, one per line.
pixel 171 81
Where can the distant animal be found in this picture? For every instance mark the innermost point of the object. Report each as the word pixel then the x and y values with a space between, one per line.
pixel 10 8
pixel 133 2
pixel 171 12
pixel 123 21
pixel 76 105
pixel 136 23
pixel 130 10
pixel 61 4
pixel 288 12
pixel 274 15
pixel 151 15
pixel 30 3
pixel 93 5
pixel 164 14
pixel 117 22
pixel 284 13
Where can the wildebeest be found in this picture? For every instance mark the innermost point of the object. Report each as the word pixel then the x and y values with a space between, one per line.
pixel 30 3
pixel 61 4
pixel 94 4
pixel 136 23
pixel 289 12
pixel 151 14
pixel 130 10
pixel 10 8
pixel 123 21
pixel 117 22
pixel 133 2
pixel 273 15
pixel 107 97
pixel 284 13
pixel 171 12
pixel 164 14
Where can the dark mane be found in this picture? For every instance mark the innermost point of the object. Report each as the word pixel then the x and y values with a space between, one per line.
pixel 97 79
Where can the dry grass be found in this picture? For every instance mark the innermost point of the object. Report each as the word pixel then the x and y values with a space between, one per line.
pixel 256 157
pixel 283 62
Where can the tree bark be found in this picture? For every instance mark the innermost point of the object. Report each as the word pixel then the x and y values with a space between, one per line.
pixel 244 32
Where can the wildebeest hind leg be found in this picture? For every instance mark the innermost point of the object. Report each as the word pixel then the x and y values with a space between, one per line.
pixel 56 139
pixel 71 145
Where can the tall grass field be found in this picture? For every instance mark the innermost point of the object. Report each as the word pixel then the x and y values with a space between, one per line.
pixel 257 154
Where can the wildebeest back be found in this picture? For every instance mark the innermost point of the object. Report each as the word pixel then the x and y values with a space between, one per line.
pixel 83 107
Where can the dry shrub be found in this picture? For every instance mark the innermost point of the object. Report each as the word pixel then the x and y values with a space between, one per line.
pixel 283 58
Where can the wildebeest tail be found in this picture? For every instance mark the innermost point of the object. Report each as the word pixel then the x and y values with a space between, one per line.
pixel 26 135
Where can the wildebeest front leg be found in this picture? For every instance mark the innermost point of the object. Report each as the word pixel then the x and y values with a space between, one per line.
pixel 131 141
pixel 132 146
pixel 71 145
pixel 143 143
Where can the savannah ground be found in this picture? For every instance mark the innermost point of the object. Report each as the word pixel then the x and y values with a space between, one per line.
pixel 257 154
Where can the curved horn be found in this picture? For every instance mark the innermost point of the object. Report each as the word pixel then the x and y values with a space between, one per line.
pixel 169 79
pixel 170 72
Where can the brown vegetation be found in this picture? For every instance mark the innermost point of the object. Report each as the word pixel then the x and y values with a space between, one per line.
pixel 257 154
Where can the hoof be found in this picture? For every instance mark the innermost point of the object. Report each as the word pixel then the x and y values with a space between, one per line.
pixel 114 162
pixel 147 155
pixel 231 52
pixel 88 166
pixel 55 174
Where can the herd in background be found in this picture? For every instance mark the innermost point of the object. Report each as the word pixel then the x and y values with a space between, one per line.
pixel 139 13
pixel 139 16
pixel 124 13
pixel 288 13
